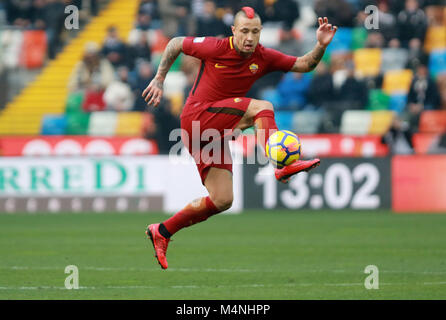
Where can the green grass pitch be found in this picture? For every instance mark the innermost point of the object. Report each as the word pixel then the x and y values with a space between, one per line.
pixel 254 255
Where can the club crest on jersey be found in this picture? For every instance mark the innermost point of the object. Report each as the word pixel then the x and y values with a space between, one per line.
pixel 254 67
pixel 237 100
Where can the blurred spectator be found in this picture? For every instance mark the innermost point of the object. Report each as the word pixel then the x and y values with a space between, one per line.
pixel 412 26
pixel 164 122
pixel 338 12
pixel 293 89
pixel 150 8
pixel 375 40
pixel 144 22
pixel 138 51
pixel 19 12
pixel 52 17
pixel 289 44
pixel 144 76
pixel 423 95
pixel 91 70
pixel 119 96
pixel 286 11
pixel 208 24
pixel 387 22
pixel 113 48
pixel 321 91
pixel 399 137
pixel 353 92
pixel 175 17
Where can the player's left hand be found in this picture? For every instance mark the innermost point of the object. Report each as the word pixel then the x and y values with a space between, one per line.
pixel 326 32
pixel 154 92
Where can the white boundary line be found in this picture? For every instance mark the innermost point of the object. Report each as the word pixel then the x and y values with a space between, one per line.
pixel 255 285
pixel 215 270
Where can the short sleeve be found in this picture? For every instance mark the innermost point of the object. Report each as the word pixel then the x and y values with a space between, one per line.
pixel 279 61
pixel 202 47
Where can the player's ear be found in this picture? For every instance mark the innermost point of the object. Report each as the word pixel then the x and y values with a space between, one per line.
pixel 233 29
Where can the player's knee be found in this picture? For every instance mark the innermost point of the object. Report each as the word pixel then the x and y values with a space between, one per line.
pixel 261 105
pixel 266 105
pixel 223 202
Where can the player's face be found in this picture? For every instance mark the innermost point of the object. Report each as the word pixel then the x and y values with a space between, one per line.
pixel 246 34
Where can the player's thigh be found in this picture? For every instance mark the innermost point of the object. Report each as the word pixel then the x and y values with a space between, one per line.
pixel 254 107
pixel 218 182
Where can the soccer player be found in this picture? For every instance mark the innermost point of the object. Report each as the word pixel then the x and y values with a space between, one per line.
pixel 217 100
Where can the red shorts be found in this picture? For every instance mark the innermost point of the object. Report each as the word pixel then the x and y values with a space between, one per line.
pixel 218 115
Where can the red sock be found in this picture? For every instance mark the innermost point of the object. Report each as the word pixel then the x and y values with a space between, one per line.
pixel 195 212
pixel 266 126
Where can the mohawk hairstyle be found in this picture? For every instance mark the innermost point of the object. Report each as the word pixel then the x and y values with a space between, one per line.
pixel 249 12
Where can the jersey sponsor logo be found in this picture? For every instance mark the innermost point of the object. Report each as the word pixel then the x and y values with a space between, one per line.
pixel 237 100
pixel 219 66
pixel 254 67
pixel 198 39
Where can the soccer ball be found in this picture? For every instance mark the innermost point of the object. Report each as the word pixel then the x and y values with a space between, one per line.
pixel 283 148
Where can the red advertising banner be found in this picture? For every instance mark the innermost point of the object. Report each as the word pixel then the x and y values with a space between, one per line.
pixel 329 145
pixel 419 183
pixel 75 146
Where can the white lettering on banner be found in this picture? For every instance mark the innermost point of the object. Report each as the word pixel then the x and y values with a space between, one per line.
pixel 78 177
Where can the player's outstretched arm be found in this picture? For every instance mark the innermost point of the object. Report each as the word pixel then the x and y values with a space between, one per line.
pixel 324 35
pixel 154 91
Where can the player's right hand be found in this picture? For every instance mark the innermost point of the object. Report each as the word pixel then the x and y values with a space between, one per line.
pixel 154 92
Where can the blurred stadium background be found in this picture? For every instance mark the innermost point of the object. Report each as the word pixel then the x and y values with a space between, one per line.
pixel 76 136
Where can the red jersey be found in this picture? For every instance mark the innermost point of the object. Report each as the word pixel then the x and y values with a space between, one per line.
pixel 224 73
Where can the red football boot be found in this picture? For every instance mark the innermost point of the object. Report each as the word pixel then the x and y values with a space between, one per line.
pixel 284 174
pixel 160 244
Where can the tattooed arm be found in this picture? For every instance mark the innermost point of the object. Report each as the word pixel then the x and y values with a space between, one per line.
pixel 324 35
pixel 309 61
pixel 154 90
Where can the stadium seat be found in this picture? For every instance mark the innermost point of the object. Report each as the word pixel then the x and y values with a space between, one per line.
pixel 380 122
pixel 342 42
pixel 77 123
pixel 129 124
pixel 11 42
pixel 307 122
pixel 284 119
pixel 378 100
pixel 367 62
pixel 53 124
pixel 102 123
pixel 433 121
pixel 435 38
pixel 437 62
pixel 423 141
pixel 359 37
pixel 394 59
pixel 355 122
pixel 74 102
pixel 34 49
pixel 397 81
pixel 398 102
